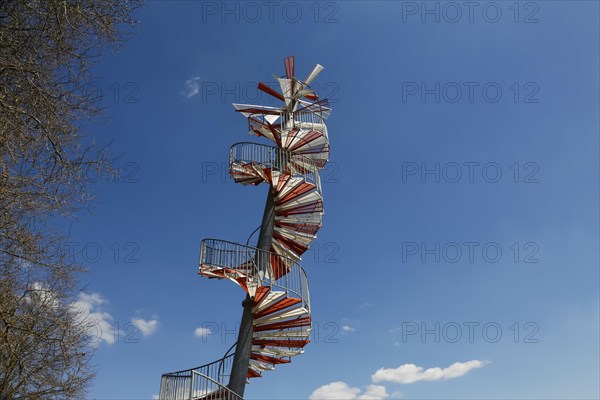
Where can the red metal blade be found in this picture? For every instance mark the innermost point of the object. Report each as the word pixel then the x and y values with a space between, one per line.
pixel 269 90
pixel 289 70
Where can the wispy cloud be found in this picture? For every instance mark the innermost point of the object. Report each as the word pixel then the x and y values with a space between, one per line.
pixel 410 373
pixel 147 327
pixel 191 87
pixel 202 331
pixel 348 328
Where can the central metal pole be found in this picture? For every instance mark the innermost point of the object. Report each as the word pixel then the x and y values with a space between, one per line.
pixel 243 350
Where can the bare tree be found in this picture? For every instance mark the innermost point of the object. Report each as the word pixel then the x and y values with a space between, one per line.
pixel 46 50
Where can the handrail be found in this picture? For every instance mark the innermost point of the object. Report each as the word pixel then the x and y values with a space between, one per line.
pixel 283 120
pixel 178 385
pixel 220 371
pixel 276 159
pixel 200 367
pixel 272 124
pixel 231 394
pixel 283 273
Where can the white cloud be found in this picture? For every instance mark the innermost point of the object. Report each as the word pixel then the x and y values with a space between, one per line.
pixel 334 391
pixel 374 392
pixel 202 331
pixel 42 295
pixel 97 322
pixel 406 373
pixel 348 328
pixel 341 391
pixel 155 397
pixel 410 373
pixel 147 327
pixel 191 87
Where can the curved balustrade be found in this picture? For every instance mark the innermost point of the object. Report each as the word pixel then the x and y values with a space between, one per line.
pixel 282 120
pixel 206 382
pixel 242 262
pixel 275 159
pixel 303 132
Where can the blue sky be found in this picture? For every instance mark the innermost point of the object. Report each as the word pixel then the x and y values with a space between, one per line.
pixel 461 197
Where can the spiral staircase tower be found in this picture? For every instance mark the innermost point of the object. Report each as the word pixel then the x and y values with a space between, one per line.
pixel 276 319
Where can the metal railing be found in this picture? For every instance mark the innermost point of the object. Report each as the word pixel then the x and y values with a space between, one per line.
pixel 204 382
pixel 314 122
pixel 306 120
pixel 310 120
pixel 285 120
pixel 204 387
pixel 276 159
pixel 282 274
pixel 274 124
